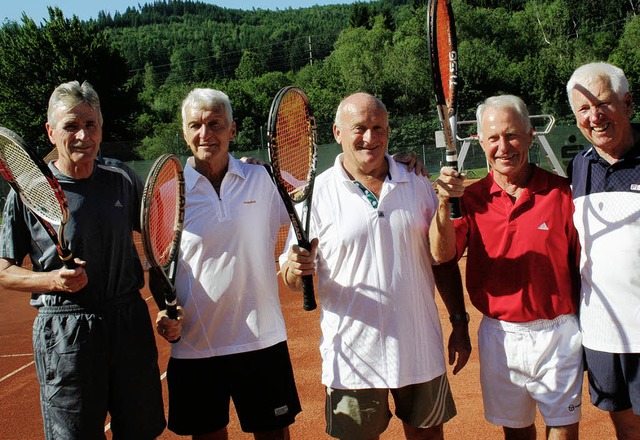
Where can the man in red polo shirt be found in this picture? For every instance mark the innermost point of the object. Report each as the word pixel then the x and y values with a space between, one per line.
pixel 522 274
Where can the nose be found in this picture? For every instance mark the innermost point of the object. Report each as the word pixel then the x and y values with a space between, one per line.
pixel 594 113
pixel 368 136
pixel 204 131
pixel 503 144
pixel 81 133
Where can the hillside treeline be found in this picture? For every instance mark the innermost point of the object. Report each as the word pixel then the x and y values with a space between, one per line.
pixel 144 60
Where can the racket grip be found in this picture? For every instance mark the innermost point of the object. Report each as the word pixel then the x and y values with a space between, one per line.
pixel 172 309
pixel 456 213
pixel 308 296
pixel 172 313
pixel 67 260
pixel 451 158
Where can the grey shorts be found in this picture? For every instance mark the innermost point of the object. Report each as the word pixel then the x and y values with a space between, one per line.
pixel 363 414
pixel 91 364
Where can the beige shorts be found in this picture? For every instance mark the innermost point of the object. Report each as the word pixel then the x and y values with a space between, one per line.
pixel 363 414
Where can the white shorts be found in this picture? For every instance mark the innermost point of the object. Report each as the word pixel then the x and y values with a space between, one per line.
pixel 524 364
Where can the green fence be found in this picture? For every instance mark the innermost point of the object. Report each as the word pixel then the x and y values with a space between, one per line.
pixel 565 141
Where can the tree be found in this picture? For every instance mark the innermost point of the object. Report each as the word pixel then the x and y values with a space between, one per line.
pixel 35 59
pixel 251 65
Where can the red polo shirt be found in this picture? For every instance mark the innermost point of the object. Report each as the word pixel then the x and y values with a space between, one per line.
pixel 522 257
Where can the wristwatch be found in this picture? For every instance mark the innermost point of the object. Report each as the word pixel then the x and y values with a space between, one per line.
pixel 458 317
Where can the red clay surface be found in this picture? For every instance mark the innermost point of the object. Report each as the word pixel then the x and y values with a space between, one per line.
pixel 19 404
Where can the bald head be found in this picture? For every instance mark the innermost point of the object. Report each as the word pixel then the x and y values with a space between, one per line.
pixel 354 103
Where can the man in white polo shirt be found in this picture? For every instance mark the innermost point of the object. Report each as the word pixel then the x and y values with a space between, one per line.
pixel 232 338
pixel 380 327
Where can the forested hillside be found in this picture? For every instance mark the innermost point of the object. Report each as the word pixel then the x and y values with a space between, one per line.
pixel 144 60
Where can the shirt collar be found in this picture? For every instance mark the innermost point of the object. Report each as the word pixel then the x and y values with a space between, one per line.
pixel 396 173
pixel 191 176
pixel 539 182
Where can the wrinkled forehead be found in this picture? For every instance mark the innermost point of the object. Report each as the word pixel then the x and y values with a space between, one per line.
pixel 82 112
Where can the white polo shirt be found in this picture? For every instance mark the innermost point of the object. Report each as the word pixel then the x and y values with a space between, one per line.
pixel 380 324
pixel 226 279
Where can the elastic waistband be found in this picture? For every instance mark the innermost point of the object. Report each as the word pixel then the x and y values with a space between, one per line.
pixel 538 324
pixel 99 307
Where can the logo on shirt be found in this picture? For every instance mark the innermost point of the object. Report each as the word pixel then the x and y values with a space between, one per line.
pixel 118 204
pixel 281 411
pixel 635 187
pixel 543 227
pixel 250 202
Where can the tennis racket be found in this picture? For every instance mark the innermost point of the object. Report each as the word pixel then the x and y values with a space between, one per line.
pixel 291 136
pixel 444 67
pixel 161 219
pixel 38 189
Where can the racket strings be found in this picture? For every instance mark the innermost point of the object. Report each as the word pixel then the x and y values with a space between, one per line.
pixel 36 191
pixel 162 216
pixel 294 141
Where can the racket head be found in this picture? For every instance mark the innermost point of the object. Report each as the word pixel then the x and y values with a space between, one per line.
pixel 443 51
pixel 291 138
pixel 162 214
pixel 32 179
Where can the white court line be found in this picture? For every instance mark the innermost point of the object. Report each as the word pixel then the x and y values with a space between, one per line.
pixel 17 371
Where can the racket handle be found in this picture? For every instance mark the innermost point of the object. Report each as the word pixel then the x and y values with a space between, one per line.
pixel 172 312
pixel 67 260
pixel 172 309
pixel 456 213
pixel 451 158
pixel 308 296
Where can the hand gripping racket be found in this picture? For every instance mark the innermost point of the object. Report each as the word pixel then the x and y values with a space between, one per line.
pixel 444 67
pixel 38 189
pixel 291 136
pixel 161 219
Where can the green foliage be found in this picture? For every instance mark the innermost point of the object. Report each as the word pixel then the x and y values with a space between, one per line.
pixel 145 60
pixel 35 59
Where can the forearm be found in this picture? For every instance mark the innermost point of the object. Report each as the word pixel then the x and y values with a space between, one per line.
pixel 449 285
pixel 442 235
pixel 15 277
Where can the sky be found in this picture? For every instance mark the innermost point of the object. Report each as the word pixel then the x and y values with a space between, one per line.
pixel 86 9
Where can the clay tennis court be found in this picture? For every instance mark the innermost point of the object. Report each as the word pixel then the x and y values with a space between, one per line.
pixel 19 404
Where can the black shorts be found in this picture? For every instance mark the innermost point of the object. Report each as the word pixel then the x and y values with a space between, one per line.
pixel 261 384
pixel 614 380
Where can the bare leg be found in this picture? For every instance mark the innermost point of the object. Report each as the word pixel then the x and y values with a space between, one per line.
pixel 528 433
pixel 567 432
pixel 627 424
pixel 434 433
pixel 220 434
pixel 276 434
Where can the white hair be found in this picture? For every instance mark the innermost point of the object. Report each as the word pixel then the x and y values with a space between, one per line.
pixel 589 73
pixel 504 102
pixel 206 99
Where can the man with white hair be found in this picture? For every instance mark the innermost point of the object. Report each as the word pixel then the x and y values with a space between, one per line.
pixel 522 274
pixel 605 180
pixel 232 337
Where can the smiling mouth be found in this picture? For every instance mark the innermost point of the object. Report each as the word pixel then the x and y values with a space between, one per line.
pixel 82 147
pixel 600 128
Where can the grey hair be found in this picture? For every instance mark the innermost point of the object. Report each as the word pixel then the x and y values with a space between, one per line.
pixel 206 99
pixel 588 73
pixel 504 102
pixel 346 101
pixel 68 95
